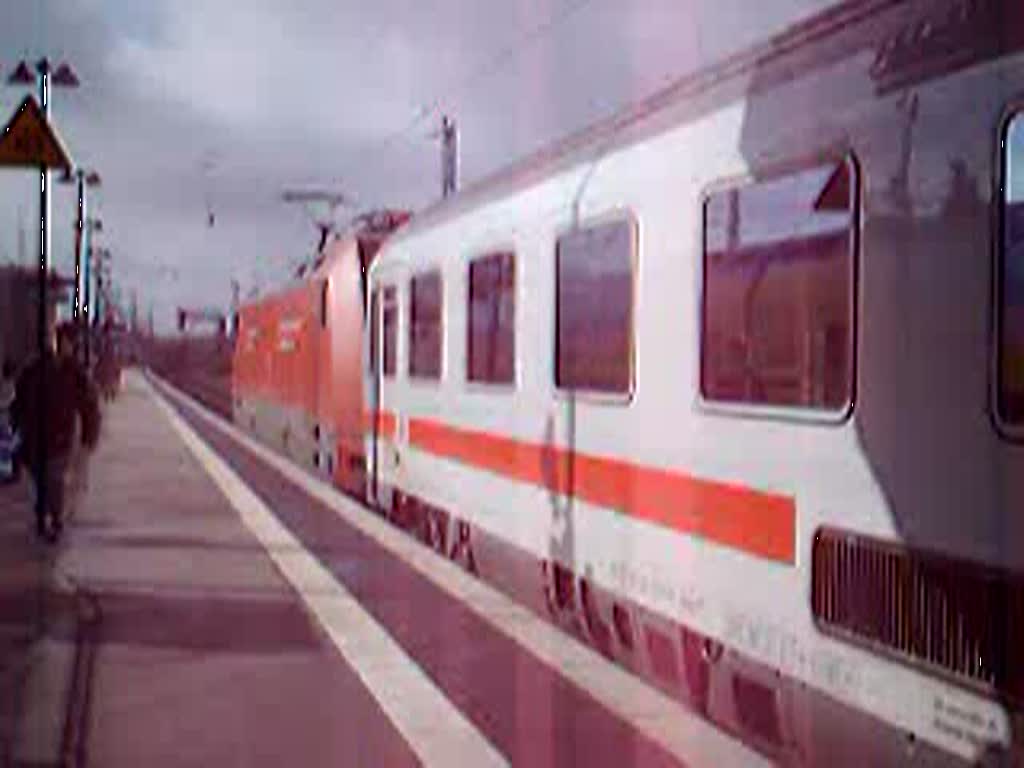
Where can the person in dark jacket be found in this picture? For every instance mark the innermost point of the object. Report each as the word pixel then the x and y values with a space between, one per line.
pixel 107 370
pixel 53 392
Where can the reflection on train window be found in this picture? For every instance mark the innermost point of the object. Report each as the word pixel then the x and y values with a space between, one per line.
pixel 1011 343
pixel 425 326
pixel 594 316
pixel 490 342
pixel 389 320
pixel 777 324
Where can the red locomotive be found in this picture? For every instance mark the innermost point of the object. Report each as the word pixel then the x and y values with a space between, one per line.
pixel 297 369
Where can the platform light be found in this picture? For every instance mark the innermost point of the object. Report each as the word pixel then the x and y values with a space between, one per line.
pixel 22 75
pixel 90 177
pixel 84 179
pixel 65 77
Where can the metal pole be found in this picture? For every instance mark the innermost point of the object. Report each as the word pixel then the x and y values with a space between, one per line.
pixel 44 91
pixel 87 251
pixel 76 306
pixel 100 300
pixel 43 71
pixel 449 156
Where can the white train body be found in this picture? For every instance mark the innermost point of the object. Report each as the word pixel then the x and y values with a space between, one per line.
pixel 916 457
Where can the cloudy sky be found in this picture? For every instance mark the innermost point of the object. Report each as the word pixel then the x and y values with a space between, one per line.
pixel 190 102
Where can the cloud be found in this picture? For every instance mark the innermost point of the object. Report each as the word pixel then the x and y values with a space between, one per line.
pixel 287 93
pixel 276 71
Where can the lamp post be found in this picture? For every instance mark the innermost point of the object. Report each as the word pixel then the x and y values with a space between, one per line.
pixel 42 75
pixel 85 179
pixel 101 265
pixel 108 293
pixel 43 78
pixel 91 225
pixel 102 257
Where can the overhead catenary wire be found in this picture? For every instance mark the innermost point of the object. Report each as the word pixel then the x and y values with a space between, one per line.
pixel 456 88
pixel 470 80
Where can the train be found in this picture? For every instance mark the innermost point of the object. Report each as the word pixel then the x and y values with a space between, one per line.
pixel 729 386
pixel 297 363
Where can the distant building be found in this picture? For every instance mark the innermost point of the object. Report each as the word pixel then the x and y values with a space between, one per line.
pixel 18 309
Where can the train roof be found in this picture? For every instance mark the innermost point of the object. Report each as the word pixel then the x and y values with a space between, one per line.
pixel 299 284
pixel 908 51
pixel 371 230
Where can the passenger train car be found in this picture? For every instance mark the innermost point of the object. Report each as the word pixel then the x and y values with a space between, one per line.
pixel 731 385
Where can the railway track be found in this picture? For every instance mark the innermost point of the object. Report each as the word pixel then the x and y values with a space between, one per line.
pixel 200 366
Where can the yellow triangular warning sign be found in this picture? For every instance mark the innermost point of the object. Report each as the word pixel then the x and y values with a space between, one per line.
pixel 29 140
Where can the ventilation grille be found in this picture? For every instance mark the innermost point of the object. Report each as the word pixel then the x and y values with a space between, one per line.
pixel 951 615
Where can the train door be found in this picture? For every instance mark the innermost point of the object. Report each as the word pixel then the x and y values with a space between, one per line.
pixel 373 390
pixel 384 423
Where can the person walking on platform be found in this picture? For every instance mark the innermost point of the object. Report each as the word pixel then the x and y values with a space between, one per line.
pixel 52 393
pixel 107 371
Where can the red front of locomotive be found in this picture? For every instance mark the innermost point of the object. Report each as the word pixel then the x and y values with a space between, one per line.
pixel 298 362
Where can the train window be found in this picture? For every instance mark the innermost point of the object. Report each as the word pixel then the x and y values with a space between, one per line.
pixel 594 316
pixel 425 326
pixel 490 342
pixel 777 312
pixel 389 319
pixel 1010 400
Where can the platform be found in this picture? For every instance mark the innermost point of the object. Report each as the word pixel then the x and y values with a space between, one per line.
pixel 211 604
